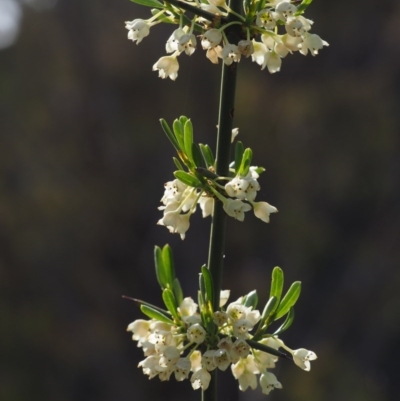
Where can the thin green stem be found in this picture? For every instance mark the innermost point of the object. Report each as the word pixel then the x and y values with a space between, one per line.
pixel 225 124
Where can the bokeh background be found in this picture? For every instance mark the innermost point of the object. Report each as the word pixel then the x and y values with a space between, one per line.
pixel 82 166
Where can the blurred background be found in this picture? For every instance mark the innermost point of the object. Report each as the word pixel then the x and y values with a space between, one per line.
pixel 82 166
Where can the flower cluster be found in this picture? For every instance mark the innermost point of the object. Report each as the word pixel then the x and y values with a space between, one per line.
pixel 238 194
pixel 278 26
pixel 188 346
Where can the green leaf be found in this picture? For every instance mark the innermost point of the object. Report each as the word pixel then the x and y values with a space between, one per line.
pixel 207 155
pixel 289 300
pixel 287 323
pixel 197 156
pixel 207 173
pixel 182 120
pixel 149 3
pixel 188 139
pixel 208 284
pixel 246 161
pixel 251 299
pixel 177 291
pixel 170 303
pixel 178 163
pixel 304 4
pixel 161 274
pixel 269 308
pixel 141 302
pixel 155 314
pixel 239 149
pixel 178 131
pixel 163 18
pixel 259 170
pixel 168 262
pixel 170 134
pixel 277 283
pixel 187 179
pixel 268 350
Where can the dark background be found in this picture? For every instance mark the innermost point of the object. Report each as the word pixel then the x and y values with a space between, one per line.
pixel 82 167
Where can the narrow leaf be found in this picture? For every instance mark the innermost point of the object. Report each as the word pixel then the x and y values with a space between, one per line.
pixel 207 173
pixel 207 155
pixel 289 299
pixel 182 120
pixel 178 131
pixel 187 179
pixel 287 323
pixel 141 302
pixel 208 283
pixel 197 156
pixel 277 283
pixel 304 4
pixel 161 275
pixel 155 314
pixel 168 262
pixel 268 350
pixel 149 3
pixel 178 163
pixel 269 308
pixel 246 161
pixel 170 134
pixel 170 302
pixel 188 139
pixel 251 299
pixel 239 149
pixel 177 291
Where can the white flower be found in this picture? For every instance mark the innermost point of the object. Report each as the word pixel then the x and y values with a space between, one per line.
pixel 245 48
pixel 187 43
pixel 170 356
pixel 207 360
pixel 230 53
pixel 167 66
pixel 138 29
pixel 268 382
pixel 195 361
pixel 245 371
pixel 260 50
pixel 220 318
pixel 149 366
pixel 196 334
pixel 140 329
pixel 223 297
pixel 176 222
pixel 262 210
pixel 285 10
pixel 265 19
pixel 313 43
pixel 236 208
pixel 295 27
pixel 222 359
pixel 173 41
pixel 182 369
pixel 206 205
pixel 187 307
pixel 236 188
pixel 302 358
pixel 211 39
pixel 235 133
pixel 173 191
pixel 213 53
pixel 200 378
pixel 273 62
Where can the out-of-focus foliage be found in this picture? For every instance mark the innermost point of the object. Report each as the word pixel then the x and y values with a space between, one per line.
pixel 79 110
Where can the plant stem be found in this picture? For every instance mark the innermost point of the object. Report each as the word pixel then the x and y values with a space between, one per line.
pixel 225 124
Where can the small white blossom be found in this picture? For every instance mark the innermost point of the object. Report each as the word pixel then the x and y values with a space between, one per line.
pixel 176 222
pixel 245 48
pixel 200 378
pixel 182 369
pixel 312 43
pixel 284 10
pixel 206 205
pixel 268 382
pixel 211 38
pixel 187 43
pixel 302 358
pixel 167 66
pixel 222 359
pixel 223 297
pixel 140 329
pixel 236 208
pixel 173 41
pixel 207 360
pixel 138 29
pixel 262 210
pixel 196 334
pixel 230 53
